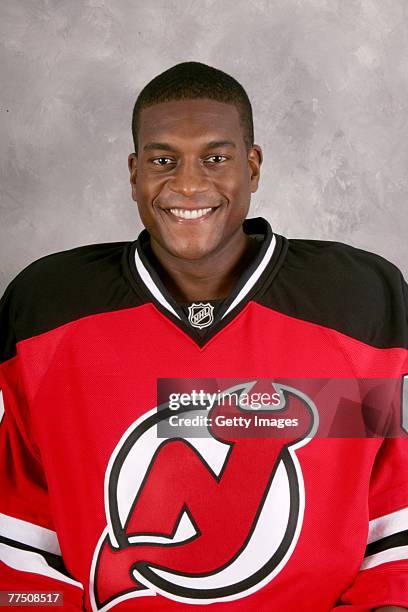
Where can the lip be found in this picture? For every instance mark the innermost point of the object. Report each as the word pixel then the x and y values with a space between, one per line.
pixel 189 221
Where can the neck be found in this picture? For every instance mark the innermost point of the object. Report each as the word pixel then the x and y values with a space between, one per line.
pixel 211 278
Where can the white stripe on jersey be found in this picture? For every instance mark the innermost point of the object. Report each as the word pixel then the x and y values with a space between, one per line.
pixel 397 553
pixel 1 405
pixel 28 561
pixel 252 279
pixel 29 534
pixel 150 284
pixel 388 524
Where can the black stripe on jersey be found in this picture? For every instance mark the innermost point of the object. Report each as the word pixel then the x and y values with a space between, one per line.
pixel 391 541
pixel 53 560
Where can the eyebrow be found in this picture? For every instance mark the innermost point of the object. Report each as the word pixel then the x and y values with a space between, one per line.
pixel 164 146
pixel 214 144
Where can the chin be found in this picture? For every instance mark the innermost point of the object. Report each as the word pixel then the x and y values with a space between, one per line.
pixel 192 252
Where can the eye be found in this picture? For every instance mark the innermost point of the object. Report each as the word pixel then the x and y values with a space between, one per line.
pixel 161 161
pixel 217 158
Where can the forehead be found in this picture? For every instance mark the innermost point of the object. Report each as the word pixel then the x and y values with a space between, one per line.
pixel 188 119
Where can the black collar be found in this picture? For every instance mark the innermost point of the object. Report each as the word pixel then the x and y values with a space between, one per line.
pixel 253 278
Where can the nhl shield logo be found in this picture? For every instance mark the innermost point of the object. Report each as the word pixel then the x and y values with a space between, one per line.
pixel 200 315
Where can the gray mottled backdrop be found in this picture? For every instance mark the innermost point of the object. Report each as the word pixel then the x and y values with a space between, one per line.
pixel 329 85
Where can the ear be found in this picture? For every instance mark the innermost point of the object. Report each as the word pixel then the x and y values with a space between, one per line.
pixel 255 158
pixel 132 165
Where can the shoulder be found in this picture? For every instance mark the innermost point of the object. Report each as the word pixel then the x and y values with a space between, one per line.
pixel 342 265
pixel 71 265
pixel 336 285
pixel 63 286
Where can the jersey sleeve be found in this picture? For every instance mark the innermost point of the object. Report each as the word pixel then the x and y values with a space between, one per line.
pixel 30 555
pixel 383 575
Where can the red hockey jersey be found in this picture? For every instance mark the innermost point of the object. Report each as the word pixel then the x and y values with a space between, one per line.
pixel 97 504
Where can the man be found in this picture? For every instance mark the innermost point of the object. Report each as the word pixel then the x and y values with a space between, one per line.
pixel 97 503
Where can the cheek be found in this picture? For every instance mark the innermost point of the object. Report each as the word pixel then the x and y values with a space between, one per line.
pixel 238 182
pixel 228 188
pixel 240 192
pixel 145 193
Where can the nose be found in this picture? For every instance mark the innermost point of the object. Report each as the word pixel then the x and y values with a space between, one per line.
pixel 189 178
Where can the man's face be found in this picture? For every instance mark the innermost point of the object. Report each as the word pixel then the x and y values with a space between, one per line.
pixel 193 176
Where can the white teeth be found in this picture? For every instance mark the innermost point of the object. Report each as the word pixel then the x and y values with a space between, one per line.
pixel 183 213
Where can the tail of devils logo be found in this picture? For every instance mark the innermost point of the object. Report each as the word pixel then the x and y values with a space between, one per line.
pixel 201 520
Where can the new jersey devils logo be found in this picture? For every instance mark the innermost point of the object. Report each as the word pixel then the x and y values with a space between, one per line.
pixel 201 520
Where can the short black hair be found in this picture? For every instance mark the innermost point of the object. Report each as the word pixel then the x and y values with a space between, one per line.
pixel 195 80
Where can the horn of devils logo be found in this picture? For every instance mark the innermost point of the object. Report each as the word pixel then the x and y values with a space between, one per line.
pixel 201 520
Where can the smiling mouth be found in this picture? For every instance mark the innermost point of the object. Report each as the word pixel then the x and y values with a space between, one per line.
pixel 190 214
